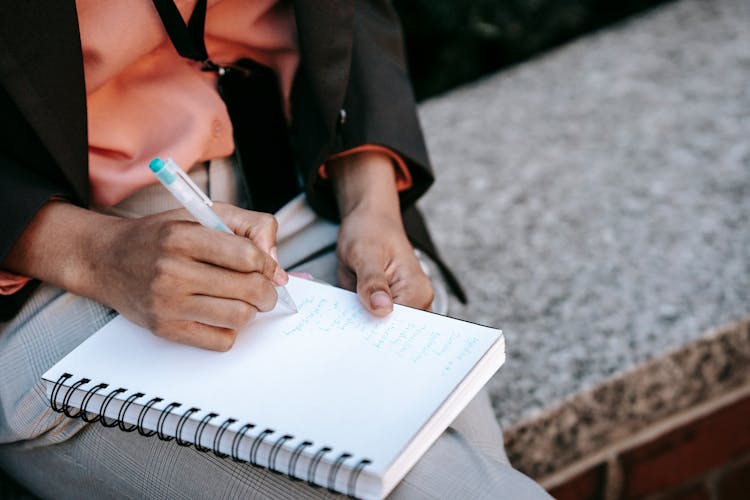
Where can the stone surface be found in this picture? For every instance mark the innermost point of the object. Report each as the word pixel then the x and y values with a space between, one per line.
pixel 596 201
pixel 625 405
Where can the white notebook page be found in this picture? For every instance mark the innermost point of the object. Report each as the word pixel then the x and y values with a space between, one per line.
pixel 332 373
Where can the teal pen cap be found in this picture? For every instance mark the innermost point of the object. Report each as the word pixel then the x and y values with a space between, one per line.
pixel 157 166
pixel 184 189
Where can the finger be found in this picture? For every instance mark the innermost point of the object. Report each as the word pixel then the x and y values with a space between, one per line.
pixel 182 277
pixel 254 289
pixel 197 334
pixel 346 278
pixel 411 287
pixel 259 227
pixel 221 249
pixel 217 312
pixel 372 284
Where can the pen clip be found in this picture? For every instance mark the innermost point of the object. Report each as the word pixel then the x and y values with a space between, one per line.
pixel 181 173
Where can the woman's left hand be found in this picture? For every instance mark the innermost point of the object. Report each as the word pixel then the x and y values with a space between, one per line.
pixel 377 259
pixel 375 255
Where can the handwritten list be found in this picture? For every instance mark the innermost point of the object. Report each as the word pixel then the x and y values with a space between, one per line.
pixel 417 342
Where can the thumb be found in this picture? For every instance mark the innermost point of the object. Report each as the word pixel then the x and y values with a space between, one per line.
pixel 373 288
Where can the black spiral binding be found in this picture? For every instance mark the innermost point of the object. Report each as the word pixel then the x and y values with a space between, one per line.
pixel 85 402
pixel 237 440
pixel 199 431
pixel 68 394
pixel 163 418
pixel 124 410
pixel 87 415
pixel 181 423
pixel 275 451
pixel 335 470
pixel 105 405
pixel 313 468
pixel 295 456
pixel 142 416
pixel 256 445
pixel 219 434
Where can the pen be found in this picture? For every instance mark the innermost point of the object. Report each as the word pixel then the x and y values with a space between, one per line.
pixel 199 205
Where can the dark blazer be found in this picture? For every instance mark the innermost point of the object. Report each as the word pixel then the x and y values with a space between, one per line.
pixel 352 59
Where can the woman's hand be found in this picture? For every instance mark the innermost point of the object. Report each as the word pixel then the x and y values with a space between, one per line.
pixel 377 259
pixel 375 255
pixel 197 285
pixel 183 281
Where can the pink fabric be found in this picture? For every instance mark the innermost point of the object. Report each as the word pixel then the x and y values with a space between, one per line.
pixel 145 100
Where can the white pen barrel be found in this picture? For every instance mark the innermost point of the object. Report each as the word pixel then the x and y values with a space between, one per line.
pixel 205 215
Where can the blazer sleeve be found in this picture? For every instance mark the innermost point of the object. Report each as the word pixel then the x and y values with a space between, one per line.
pixel 28 177
pixel 379 107
pixel 27 181
pixel 379 104
pixel 22 194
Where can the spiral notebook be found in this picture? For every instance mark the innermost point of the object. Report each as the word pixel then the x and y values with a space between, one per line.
pixel 330 395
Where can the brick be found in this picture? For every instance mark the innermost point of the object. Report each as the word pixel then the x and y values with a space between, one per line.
pixel 686 453
pixel 588 485
pixel 735 484
pixel 694 492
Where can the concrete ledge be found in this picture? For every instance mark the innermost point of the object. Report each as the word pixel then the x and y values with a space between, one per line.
pixel 596 203
pixel 585 429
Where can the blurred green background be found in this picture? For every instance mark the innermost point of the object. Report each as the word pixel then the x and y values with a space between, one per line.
pixel 450 42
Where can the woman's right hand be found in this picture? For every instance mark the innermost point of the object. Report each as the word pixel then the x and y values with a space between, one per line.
pixel 182 281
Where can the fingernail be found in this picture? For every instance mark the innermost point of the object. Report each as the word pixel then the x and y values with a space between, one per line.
pixel 380 300
pixel 279 276
pixel 274 253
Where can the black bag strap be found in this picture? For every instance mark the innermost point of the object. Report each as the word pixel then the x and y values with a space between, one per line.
pixel 253 98
pixel 187 39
